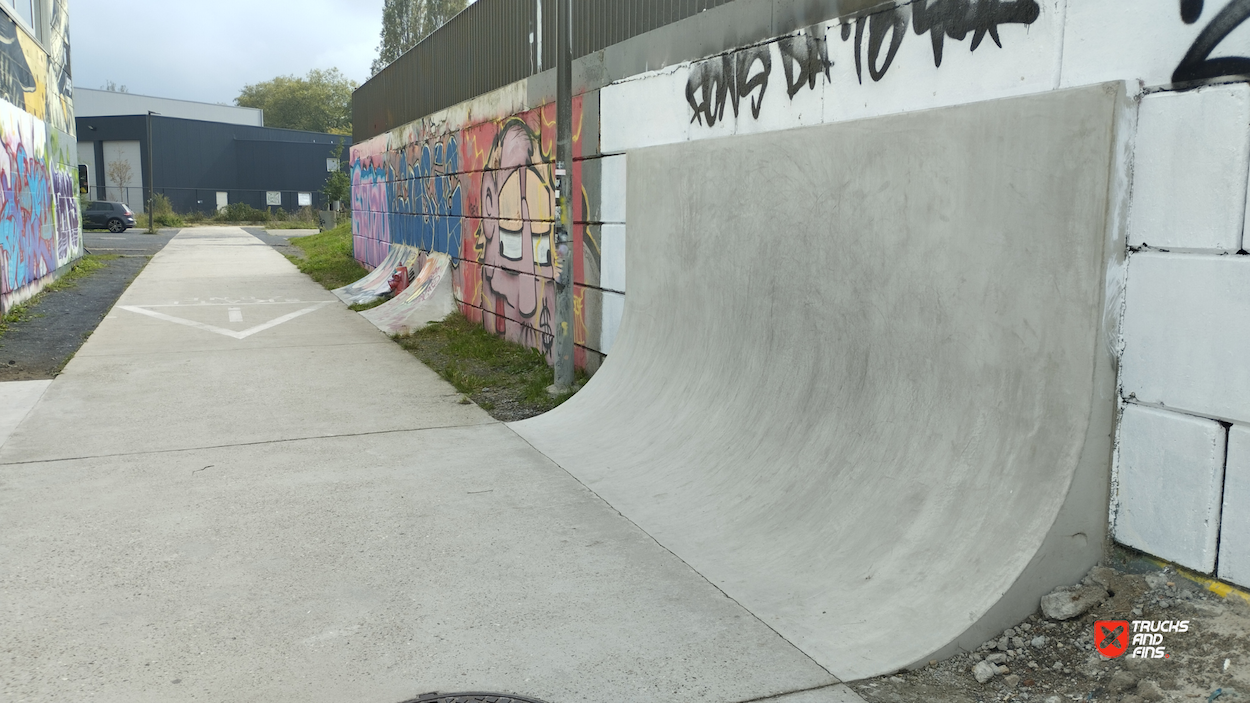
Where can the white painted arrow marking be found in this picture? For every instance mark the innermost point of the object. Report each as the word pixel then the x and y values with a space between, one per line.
pixel 222 331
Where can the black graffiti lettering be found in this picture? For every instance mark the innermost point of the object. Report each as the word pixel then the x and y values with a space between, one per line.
pixel 894 23
pixel 746 83
pixel 1191 10
pixel 940 19
pixel 804 58
pixel 1197 64
pixel 957 19
pixel 706 89
pixel 728 79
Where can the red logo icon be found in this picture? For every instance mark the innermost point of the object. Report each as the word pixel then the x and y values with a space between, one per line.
pixel 1111 637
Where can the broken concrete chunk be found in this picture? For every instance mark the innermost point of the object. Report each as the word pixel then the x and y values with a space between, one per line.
pixel 984 671
pixel 1067 603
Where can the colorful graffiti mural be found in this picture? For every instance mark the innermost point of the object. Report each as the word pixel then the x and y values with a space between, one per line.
pixel 40 230
pixel 484 195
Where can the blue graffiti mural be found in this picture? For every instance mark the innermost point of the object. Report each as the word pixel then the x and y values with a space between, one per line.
pixel 27 237
pixel 425 195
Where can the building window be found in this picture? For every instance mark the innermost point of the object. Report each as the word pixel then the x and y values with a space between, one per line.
pixel 31 13
pixel 25 9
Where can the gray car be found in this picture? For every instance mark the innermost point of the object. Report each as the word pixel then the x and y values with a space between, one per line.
pixel 117 217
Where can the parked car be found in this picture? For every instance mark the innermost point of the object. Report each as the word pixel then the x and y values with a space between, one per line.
pixel 117 217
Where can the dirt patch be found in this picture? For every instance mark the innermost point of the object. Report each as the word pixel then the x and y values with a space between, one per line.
pixel 1052 661
pixel 50 331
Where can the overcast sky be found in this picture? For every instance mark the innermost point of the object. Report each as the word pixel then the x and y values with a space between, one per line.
pixel 208 51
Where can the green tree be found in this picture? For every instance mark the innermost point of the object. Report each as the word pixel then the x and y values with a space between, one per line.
pixel 406 22
pixel 338 185
pixel 320 102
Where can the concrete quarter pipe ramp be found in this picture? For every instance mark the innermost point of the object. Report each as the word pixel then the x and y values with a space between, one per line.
pixel 862 382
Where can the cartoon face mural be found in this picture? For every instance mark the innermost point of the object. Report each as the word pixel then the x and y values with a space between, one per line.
pixel 482 193
pixel 518 203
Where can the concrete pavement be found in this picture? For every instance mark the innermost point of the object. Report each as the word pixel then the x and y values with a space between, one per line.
pixel 239 490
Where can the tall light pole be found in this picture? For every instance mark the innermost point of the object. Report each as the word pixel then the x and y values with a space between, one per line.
pixel 564 174
pixel 151 175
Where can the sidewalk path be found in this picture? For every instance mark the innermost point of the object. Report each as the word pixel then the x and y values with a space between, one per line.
pixel 241 491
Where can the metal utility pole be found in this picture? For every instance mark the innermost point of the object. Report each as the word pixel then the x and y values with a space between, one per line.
pixel 564 194
pixel 151 174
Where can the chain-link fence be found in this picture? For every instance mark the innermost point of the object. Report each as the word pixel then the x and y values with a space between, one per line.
pixel 210 201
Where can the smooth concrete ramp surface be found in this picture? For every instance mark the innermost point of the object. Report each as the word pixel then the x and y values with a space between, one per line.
pixel 427 299
pixel 307 514
pixel 860 384
pixel 376 283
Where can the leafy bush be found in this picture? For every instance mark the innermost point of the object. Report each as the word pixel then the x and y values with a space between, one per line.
pixel 161 205
pixel 305 214
pixel 241 212
pixel 168 219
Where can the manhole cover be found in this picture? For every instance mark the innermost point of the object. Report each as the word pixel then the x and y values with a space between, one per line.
pixel 472 698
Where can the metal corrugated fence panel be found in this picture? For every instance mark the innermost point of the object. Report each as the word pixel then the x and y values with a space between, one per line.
pixel 487 46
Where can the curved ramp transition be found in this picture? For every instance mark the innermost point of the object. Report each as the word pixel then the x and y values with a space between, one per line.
pixel 376 283
pixel 862 383
pixel 427 299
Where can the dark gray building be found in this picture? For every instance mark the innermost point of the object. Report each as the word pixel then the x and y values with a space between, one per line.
pixel 203 165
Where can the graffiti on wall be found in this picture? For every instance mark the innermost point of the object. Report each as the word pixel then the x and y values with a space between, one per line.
pixel 735 83
pixel 513 241
pixel 1197 64
pixel 28 246
pixel 741 78
pixel 371 232
pixel 482 193
pixel 40 229
pixel 17 79
pixel 60 76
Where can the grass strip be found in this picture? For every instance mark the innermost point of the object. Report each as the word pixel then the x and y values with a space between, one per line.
pixel 505 379
pixel 328 257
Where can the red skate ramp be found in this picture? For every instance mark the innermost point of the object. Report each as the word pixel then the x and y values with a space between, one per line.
pixel 863 382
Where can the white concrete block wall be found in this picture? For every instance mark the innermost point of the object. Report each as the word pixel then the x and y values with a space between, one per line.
pixel 613 311
pixel 1189 181
pixel 1235 524
pixel 614 169
pixel 1171 482
pixel 612 272
pixel 1187 334
pixel 634 114
pixel 1142 40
